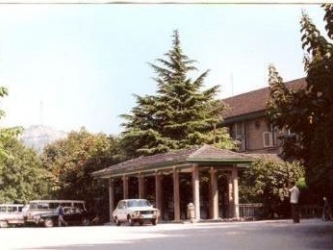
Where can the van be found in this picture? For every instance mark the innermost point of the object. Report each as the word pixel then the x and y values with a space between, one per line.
pixel 11 215
pixel 36 208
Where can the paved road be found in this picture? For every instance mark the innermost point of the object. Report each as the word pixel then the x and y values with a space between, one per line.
pixel 309 234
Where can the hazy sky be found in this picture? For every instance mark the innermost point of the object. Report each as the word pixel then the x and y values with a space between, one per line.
pixel 68 66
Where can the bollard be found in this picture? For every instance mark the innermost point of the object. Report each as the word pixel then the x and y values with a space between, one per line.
pixel 190 212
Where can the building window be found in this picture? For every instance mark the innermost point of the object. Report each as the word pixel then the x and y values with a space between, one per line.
pixel 275 133
pixel 271 139
pixel 239 135
pixel 267 139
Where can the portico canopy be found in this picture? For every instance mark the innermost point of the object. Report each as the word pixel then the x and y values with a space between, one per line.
pixel 192 160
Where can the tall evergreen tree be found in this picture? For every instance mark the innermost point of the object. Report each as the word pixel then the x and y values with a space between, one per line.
pixel 180 115
pixel 309 112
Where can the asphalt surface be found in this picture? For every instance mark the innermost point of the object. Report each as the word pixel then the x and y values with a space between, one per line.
pixel 309 234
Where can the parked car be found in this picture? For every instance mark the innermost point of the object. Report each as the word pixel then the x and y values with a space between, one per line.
pixel 135 210
pixel 72 215
pixel 38 207
pixel 11 215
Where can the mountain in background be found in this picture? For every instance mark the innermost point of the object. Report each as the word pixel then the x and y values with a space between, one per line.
pixel 38 136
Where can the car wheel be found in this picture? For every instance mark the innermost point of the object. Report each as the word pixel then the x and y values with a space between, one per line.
pixel 140 223
pixel 154 222
pixel 3 224
pixel 117 221
pixel 48 223
pixel 85 222
pixel 130 221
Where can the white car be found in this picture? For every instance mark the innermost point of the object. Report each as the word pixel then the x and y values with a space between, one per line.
pixel 135 210
pixel 11 215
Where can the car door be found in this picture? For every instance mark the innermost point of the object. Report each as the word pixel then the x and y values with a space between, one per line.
pixel 76 216
pixel 124 211
pixel 69 215
pixel 120 211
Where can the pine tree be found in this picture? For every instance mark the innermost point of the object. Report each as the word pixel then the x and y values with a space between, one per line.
pixel 180 115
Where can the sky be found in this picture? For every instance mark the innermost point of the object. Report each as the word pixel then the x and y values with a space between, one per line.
pixel 72 66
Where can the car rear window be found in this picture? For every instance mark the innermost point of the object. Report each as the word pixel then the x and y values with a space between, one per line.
pixel 138 203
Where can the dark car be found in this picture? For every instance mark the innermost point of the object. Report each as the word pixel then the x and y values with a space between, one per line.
pixel 72 215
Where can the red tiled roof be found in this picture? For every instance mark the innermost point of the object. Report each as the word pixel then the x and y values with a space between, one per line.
pixel 211 153
pixel 254 101
pixel 267 157
pixel 197 154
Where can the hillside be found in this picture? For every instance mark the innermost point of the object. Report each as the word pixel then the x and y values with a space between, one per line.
pixel 38 136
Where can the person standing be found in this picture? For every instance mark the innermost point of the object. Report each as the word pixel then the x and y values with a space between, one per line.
pixel 327 212
pixel 294 200
pixel 60 212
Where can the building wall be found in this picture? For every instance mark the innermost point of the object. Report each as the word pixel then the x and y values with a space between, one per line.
pixel 249 109
pixel 255 136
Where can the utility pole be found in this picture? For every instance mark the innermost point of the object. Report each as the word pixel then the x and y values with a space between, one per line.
pixel 41 112
pixel 232 83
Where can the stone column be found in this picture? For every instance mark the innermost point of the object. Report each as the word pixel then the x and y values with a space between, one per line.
pixel 176 196
pixel 196 191
pixel 214 199
pixel 111 197
pixel 235 188
pixel 125 187
pixel 158 191
pixel 231 197
pixel 141 186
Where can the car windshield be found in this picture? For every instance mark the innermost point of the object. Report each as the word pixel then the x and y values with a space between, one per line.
pixel 138 203
pixel 39 206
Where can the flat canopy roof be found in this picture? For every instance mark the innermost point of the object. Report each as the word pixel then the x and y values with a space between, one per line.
pixel 204 155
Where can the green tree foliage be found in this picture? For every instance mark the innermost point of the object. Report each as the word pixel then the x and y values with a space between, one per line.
pixel 6 133
pixel 309 112
pixel 3 93
pixel 266 181
pixel 70 162
pixel 181 114
pixel 286 110
pixel 22 177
